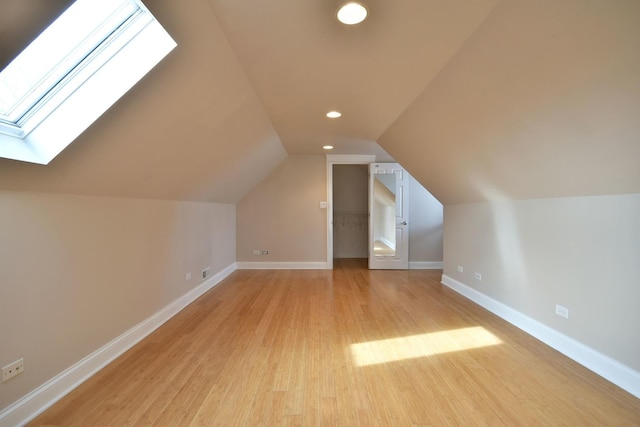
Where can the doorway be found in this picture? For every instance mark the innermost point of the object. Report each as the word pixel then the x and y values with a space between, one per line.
pixel 333 161
pixel 350 211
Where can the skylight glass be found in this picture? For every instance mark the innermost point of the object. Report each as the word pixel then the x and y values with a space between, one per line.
pixel 75 70
pixel 56 52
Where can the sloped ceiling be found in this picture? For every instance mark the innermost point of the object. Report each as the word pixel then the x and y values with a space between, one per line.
pixel 479 100
pixel 303 62
pixel 193 129
pixel 542 101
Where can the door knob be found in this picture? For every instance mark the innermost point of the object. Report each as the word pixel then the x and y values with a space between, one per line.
pixel 404 222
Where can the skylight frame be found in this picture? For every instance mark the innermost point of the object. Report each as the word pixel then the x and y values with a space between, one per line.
pixel 46 64
pixel 88 89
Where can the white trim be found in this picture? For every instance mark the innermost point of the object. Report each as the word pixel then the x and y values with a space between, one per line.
pixel 37 401
pixel 426 265
pixel 339 159
pixel 610 369
pixel 282 266
pixel 351 159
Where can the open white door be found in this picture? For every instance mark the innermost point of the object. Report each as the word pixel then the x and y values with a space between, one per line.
pixel 388 216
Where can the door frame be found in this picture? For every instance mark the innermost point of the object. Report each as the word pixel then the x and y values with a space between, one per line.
pixel 339 159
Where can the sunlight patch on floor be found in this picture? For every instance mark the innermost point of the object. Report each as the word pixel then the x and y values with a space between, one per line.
pixel 411 347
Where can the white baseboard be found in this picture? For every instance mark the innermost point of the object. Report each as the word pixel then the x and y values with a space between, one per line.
pixel 426 265
pixel 36 402
pixel 282 265
pixel 608 368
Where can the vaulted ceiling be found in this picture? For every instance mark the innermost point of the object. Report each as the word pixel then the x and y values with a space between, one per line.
pixel 479 100
pixel 542 101
pixel 302 62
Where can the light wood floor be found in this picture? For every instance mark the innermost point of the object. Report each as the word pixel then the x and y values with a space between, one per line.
pixel 348 347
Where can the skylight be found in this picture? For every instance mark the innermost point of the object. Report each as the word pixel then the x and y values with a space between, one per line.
pixel 73 72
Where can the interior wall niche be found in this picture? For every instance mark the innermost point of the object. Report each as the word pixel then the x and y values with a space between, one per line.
pixel 350 211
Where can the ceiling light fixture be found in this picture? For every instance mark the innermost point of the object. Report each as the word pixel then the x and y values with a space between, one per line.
pixel 352 13
pixel 328 147
pixel 334 114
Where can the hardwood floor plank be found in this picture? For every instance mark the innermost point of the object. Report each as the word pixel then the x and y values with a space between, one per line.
pixel 344 347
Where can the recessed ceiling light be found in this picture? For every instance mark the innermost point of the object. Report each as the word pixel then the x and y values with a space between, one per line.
pixel 334 114
pixel 352 13
pixel 328 147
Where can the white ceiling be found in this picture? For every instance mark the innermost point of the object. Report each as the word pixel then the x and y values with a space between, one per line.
pixel 543 101
pixel 303 63
pixel 479 100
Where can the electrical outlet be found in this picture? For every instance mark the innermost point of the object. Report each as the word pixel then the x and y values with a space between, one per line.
pixel 256 252
pixel 12 369
pixel 206 272
pixel 188 276
pixel 478 276
pixel 265 252
pixel 562 311
pixel 460 269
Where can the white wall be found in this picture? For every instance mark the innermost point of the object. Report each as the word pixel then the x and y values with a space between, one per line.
pixel 282 214
pixel 78 271
pixel 426 227
pixel 580 252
